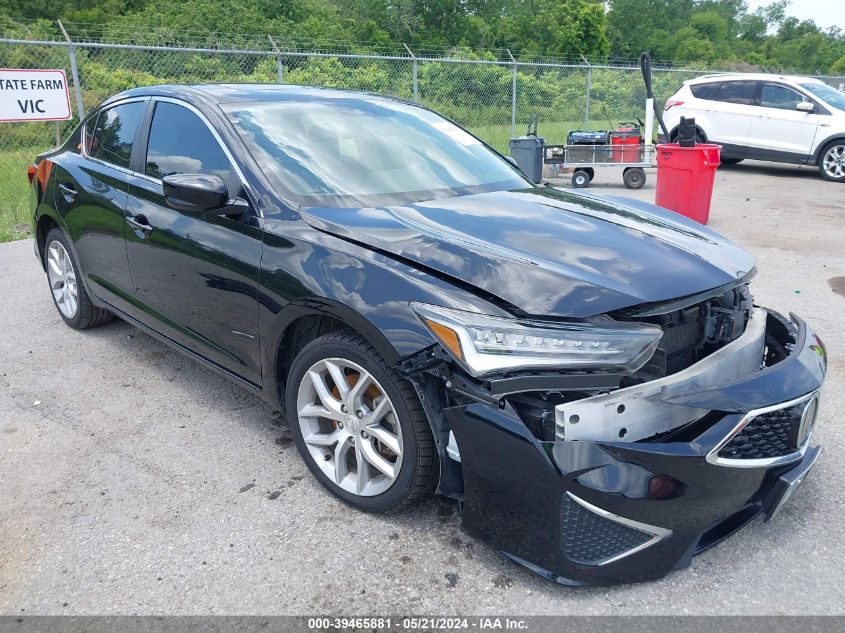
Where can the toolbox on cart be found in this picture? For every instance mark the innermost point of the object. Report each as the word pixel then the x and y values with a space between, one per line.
pixel 626 143
pixel 588 146
pixel 587 138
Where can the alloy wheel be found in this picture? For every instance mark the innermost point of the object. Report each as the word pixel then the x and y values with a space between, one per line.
pixel 833 162
pixel 349 426
pixel 62 278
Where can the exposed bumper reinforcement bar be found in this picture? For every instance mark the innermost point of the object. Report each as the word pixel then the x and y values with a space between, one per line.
pixel 639 412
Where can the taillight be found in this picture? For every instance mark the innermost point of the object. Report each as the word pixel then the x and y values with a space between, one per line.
pixel 30 172
pixel 671 104
pixel 42 173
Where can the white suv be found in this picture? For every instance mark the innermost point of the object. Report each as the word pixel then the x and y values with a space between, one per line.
pixel 776 118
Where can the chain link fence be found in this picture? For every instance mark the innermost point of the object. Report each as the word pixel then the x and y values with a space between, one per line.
pixel 495 99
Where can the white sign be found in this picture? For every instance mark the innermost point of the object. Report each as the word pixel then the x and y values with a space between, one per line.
pixel 33 95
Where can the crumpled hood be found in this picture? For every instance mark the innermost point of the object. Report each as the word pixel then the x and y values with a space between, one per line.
pixel 549 252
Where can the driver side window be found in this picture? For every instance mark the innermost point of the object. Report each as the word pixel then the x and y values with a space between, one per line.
pixel 181 143
pixel 781 97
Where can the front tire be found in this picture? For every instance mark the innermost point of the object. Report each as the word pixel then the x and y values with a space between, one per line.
pixel 358 425
pixel 64 276
pixel 580 179
pixel 832 162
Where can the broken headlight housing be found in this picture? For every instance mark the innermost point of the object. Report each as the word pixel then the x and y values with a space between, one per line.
pixel 483 344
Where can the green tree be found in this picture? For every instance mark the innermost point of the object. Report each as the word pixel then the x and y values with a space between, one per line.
pixel 567 28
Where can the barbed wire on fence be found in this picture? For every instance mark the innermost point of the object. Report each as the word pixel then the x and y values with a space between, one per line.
pixel 91 33
pixel 493 96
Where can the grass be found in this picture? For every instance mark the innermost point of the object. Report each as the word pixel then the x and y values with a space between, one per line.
pixel 554 132
pixel 14 192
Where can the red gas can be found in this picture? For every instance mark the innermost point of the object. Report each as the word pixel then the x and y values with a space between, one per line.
pixel 685 178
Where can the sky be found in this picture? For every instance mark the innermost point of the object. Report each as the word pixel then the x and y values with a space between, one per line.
pixel 825 13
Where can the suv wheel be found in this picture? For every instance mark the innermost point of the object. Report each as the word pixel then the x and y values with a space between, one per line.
pixel 832 162
pixel 69 295
pixel 358 425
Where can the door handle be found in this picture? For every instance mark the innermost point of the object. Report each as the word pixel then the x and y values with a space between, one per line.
pixel 140 225
pixel 68 192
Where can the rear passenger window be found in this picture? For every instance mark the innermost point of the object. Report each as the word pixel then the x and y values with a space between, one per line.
pixel 704 91
pixel 736 92
pixel 114 132
pixel 180 143
pixel 781 97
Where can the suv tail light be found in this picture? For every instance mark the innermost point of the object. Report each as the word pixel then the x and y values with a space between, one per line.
pixel 30 172
pixel 671 104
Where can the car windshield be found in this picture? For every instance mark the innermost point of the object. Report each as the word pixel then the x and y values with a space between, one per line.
pixel 830 96
pixel 347 152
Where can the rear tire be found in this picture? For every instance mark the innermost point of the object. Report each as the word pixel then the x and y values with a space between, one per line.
pixel 634 177
pixel 731 161
pixel 832 161
pixel 372 447
pixel 65 280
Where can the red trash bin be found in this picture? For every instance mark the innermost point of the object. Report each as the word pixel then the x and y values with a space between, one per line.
pixel 685 178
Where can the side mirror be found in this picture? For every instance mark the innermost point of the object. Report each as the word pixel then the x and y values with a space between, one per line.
pixel 806 106
pixel 195 193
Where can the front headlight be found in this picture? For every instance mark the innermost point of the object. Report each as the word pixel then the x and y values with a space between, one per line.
pixel 483 344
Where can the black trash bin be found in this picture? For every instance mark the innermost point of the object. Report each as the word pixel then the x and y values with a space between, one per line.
pixel 527 151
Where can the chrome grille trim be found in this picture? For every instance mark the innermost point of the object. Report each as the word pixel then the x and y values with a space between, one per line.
pixel 713 455
pixel 657 533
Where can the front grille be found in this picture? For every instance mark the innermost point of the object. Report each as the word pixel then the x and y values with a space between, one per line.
pixel 766 436
pixel 590 539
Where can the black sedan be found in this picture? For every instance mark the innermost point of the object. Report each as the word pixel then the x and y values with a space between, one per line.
pixel 589 376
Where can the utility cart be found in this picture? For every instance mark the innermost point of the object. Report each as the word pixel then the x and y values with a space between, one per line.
pixel 584 158
pixel 623 146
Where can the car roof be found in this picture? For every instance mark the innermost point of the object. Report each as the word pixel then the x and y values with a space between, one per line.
pixel 217 94
pixel 754 77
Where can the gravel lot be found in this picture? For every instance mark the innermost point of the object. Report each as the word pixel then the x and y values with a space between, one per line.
pixel 132 481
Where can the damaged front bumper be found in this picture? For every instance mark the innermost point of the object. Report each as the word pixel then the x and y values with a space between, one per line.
pixel 641 479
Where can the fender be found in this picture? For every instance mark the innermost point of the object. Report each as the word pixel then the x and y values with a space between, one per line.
pixel 315 306
pixel 41 209
pixel 814 159
pixel 44 211
pixel 368 291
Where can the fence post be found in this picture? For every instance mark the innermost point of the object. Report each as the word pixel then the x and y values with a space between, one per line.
pixel 589 90
pixel 280 66
pixel 74 71
pixel 513 95
pixel 415 84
